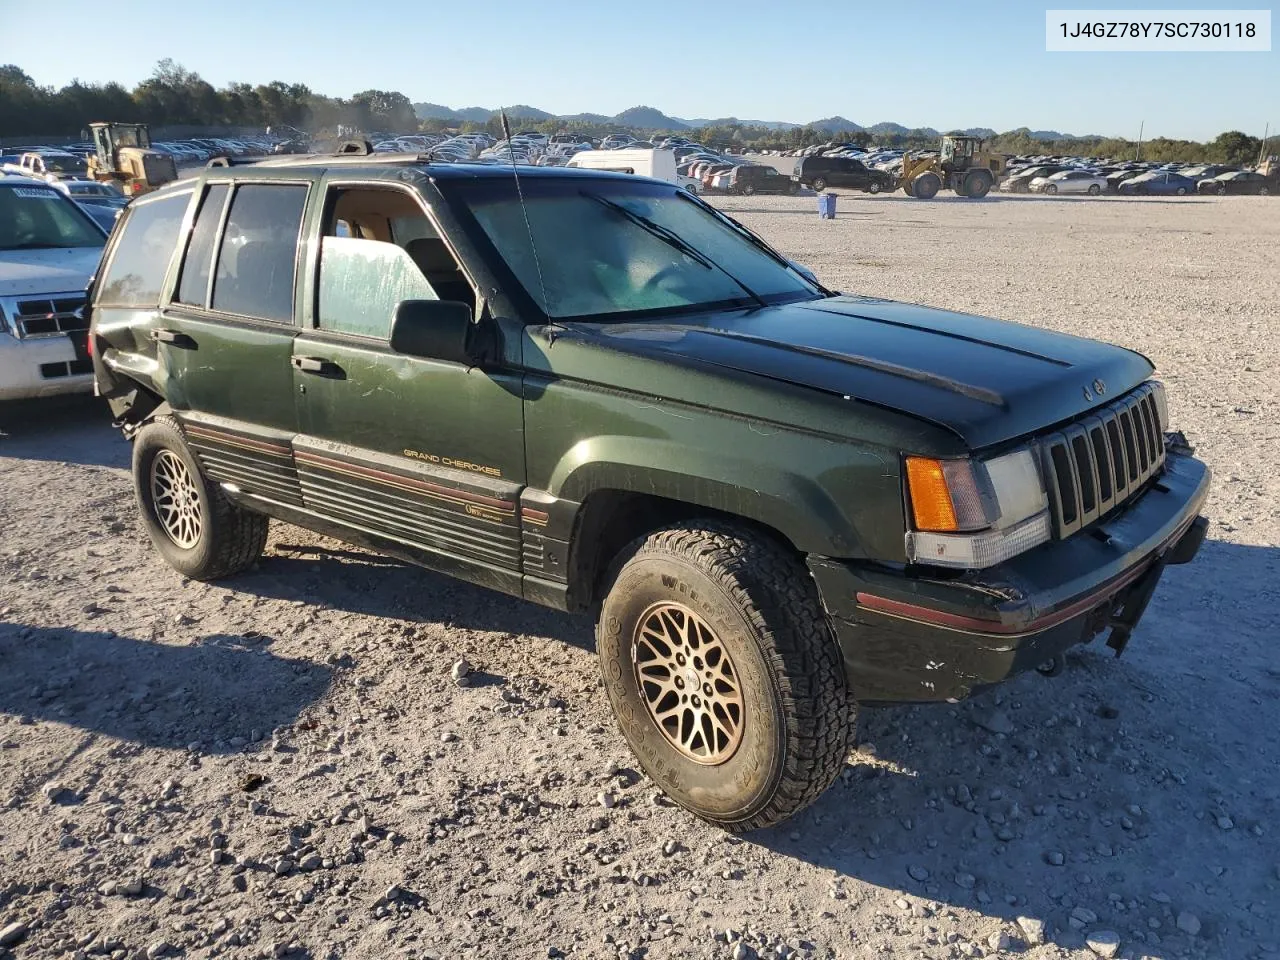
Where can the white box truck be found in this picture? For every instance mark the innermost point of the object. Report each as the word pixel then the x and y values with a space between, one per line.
pixel 659 164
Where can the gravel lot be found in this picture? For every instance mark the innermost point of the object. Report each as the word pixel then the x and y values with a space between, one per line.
pixel 283 766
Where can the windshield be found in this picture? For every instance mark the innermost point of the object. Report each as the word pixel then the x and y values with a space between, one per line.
pixel 37 218
pixel 65 163
pixel 608 247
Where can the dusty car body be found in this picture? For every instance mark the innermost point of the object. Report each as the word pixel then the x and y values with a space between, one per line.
pixel 600 394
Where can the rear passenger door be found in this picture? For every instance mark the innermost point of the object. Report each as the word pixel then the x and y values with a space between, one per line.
pixel 425 455
pixel 226 335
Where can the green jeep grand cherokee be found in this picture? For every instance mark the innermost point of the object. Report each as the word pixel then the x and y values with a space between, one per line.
pixel 596 392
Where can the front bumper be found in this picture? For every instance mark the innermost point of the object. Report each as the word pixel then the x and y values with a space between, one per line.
pixel 917 638
pixel 42 367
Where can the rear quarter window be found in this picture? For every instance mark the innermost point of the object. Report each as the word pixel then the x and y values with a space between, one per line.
pixel 142 253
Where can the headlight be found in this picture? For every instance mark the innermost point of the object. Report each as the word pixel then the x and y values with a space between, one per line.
pixel 975 513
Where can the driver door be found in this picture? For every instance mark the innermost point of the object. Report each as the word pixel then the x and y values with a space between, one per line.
pixel 418 457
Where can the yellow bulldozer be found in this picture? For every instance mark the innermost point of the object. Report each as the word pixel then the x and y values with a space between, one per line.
pixel 123 155
pixel 963 164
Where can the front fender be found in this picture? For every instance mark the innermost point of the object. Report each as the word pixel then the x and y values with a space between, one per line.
pixel 820 495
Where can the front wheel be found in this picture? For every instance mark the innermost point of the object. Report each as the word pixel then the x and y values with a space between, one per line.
pixel 749 190
pixel 819 185
pixel 193 525
pixel 873 186
pixel 1182 191
pixel 1262 191
pixel 1051 189
pixel 723 673
pixel 926 186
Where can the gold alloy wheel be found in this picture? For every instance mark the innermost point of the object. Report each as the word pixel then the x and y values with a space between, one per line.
pixel 688 683
pixel 176 499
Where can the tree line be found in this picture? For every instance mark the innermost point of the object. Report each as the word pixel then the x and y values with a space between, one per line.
pixel 174 96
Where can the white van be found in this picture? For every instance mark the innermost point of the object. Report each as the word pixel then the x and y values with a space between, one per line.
pixel 659 164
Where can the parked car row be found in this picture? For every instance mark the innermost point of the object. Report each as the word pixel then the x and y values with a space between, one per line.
pixel 1132 178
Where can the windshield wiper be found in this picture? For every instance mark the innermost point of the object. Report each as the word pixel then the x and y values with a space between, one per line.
pixel 674 239
pixel 658 230
pixel 757 242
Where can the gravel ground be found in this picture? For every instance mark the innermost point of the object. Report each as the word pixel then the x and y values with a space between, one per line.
pixel 283 765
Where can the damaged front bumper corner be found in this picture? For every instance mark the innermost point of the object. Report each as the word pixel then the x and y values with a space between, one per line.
pixel 930 637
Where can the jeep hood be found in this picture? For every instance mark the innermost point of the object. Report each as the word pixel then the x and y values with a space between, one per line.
pixel 988 381
pixel 34 272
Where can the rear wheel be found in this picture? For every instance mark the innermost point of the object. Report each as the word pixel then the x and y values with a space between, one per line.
pixel 1094 189
pixel 977 184
pixel 723 673
pixel 819 185
pixel 1262 191
pixel 1182 191
pixel 193 525
pixel 927 186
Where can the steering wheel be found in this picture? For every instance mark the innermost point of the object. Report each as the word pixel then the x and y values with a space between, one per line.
pixel 654 281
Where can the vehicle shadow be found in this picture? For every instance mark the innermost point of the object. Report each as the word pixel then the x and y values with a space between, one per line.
pixel 152 693
pixel 1046 796
pixel 71 429
pixel 358 582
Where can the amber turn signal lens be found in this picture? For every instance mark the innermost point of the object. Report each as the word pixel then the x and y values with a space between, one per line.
pixel 930 499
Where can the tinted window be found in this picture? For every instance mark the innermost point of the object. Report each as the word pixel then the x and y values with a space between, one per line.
pixel 143 252
pixel 194 285
pixel 259 246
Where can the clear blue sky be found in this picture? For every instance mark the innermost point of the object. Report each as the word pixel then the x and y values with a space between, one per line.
pixel 942 65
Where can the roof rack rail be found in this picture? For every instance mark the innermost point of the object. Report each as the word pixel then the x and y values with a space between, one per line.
pixel 360 147
pixel 225 161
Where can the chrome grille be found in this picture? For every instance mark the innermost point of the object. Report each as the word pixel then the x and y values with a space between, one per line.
pixel 51 316
pixel 1101 460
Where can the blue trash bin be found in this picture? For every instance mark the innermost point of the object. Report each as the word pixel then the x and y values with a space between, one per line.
pixel 827 206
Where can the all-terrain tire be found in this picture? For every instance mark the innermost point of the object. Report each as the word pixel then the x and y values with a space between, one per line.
pixel 220 538
pixel 761 606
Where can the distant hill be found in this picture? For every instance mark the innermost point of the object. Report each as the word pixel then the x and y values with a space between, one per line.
pixel 648 118
pixel 524 112
pixel 836 124
pixel 651 118
pixel 729 121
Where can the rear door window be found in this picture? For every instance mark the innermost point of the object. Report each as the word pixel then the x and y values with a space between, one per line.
pixel 143 252
pixel 256 262
pixel 193 287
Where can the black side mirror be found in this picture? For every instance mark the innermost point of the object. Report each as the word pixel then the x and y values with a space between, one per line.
pixel 434 329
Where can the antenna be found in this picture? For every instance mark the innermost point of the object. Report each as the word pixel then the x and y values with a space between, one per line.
pixel 506 132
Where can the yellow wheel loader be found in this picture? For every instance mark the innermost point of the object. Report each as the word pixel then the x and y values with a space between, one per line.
pixel 123 155
pixel 962 165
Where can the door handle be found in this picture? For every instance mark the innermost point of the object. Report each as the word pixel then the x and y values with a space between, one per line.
pixel 319 366
pixel 174 338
